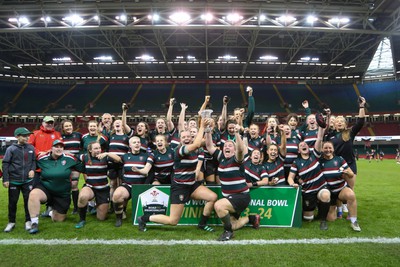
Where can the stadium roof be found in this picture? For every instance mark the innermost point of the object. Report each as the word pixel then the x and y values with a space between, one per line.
pixel 322 40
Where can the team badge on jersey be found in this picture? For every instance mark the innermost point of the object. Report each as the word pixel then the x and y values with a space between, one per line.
pixel 53 136
pixel 63 162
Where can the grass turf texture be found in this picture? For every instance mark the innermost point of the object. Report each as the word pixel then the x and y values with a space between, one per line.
pixel 377 192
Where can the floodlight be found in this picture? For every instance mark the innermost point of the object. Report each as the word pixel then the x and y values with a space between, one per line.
pixel 103 58
pixel 311 19
pixel 207 17
pixel 286 19
pixel 45 19
pixel 74 19
pixel 153 17
pixel 180 17
pixel 233 17
pixel 268 58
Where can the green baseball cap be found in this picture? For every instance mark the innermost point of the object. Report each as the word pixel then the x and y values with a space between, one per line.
pixel 48 118
pixel 58 142
pixel 22 131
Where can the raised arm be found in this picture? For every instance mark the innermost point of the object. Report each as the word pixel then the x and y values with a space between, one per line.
pixel 170 124
pixel 197 141
pixel 245 137
pixel 224 114
pixel 125 126
pixel 181 122
pixel 240 149
pixel 250 108
pixel 203 107
pixel 318 142
pixel 307 109
pixel 361 112
pixel 205 103
pixel 208 140
pixel 282 147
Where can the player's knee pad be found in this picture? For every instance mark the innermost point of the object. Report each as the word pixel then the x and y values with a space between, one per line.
pixel 324 195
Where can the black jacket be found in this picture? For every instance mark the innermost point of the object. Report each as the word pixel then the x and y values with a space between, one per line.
pixel 17 162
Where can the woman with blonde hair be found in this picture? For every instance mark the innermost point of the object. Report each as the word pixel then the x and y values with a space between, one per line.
pixel 343 137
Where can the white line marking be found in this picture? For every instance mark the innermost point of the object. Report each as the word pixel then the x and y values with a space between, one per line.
pixel 155 242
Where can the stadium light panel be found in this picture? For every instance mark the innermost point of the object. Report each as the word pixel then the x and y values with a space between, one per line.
pixel 122 18
pixel 46 19
pixel 145 58
pixel 286 19
pixel 207 17
pixel 311 19
pixel 63 59
pixel 269 58
pixel 73 19
pixel 338 21
pixel 103 58
pixel 180 17
pixel 233 17
pixel 153 17
pixel 227 57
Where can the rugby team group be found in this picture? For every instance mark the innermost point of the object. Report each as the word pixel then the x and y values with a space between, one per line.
pixel 229 150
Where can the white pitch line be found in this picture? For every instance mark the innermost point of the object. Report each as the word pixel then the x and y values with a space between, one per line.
pixel 155 242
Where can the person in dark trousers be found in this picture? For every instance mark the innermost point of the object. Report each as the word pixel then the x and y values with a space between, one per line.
pixel 18 171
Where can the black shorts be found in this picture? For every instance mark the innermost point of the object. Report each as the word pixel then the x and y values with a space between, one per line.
pixel 239 202
pixel 114 170
pixel 335 196
pixel 101 196
pixel 166 180
pixel 180 193
pixel 310 201
pixel 58 203
pixel 129 188
pixel 209 167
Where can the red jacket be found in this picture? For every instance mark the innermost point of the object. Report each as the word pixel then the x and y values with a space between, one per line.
pixel 43 139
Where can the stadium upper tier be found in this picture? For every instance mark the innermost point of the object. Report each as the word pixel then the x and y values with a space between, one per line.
pixel 34 98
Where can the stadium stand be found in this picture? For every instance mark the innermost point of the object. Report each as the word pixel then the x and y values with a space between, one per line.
pixel 382 96
pixel 80 97
pixel 113 97
pixel 151 97
pixel 218 91
pixel 340 98
pixel 36 97
pixel 267 101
